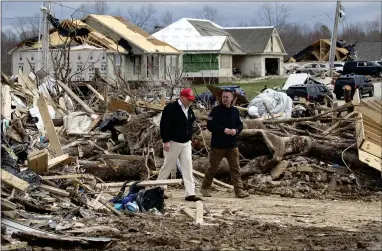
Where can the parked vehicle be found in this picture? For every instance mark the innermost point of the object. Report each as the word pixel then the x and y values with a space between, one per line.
pixel 339 66
pixel 311 92
pixel 209 99
pixel 312 69
pixel 360 82
pixel 363 68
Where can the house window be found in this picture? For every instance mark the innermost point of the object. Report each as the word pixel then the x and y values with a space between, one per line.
pixel 137 65
pixel 117 59
pixel 21 67
pixel 225 62
pixel 173 64
pixel 103 68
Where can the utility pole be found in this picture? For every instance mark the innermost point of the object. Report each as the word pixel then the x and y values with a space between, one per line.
pixel 45 37
pixel 333 45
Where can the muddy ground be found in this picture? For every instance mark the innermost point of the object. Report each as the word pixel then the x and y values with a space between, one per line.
pixel 254 223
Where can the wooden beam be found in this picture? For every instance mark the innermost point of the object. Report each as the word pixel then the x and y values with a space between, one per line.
pixel 97 94
pixel 6 109
pixel 67 176
pixel 199 212
pixel 6 205
pixel 144 183
pixel 370 159
pixel 38 162
pixel 54 142
pixel 217 182
pixel 189 212
pixel 14 181
pixel 75 97
pixel 94 123
pixel 54 190
pixel 123 157
pixel 60 161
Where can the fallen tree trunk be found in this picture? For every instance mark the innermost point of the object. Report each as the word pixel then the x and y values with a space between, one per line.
pixel 117 170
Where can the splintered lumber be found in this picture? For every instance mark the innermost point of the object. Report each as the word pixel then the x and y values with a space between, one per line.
pixel 54 142
pixel 116 104
pixel 38 161
pixel 217 182
pixel 199 212
pixel 6 205
pixel 74 96
pixel 54 190
pixel 14 181
pixel 60 161
pixel 97 94
pixel 14 246
pixel 118 170
pixel 144 183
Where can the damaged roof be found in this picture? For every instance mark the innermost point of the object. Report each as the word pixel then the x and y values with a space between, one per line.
pixel 131 33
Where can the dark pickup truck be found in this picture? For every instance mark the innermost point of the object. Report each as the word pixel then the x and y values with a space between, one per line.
pixel 362 83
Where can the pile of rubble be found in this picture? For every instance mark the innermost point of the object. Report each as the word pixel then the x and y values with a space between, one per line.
pixel 70 159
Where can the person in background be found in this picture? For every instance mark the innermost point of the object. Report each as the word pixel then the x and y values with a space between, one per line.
pixel 224 123
pixel 176 133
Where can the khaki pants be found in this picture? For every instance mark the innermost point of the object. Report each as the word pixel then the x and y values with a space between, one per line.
pixel 184 152
pixel 216 156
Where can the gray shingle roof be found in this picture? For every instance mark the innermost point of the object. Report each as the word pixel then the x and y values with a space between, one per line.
pixel 206 28
pixel 371 51
pixel 252 40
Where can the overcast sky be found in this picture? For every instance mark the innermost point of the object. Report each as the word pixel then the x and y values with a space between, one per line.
pixel 231 13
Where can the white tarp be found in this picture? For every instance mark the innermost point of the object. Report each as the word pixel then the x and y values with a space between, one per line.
pixel 295 79
pixel 278 103
pixel 77 122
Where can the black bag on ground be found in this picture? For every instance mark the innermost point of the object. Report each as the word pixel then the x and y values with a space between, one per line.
pixel 147 199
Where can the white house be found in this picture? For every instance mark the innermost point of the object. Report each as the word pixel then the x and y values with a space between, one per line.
pixel 113 45
pixel 211 50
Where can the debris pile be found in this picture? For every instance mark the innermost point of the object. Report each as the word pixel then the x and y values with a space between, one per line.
pixel 77 164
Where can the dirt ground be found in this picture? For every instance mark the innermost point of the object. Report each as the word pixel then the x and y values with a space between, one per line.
pixel 254 223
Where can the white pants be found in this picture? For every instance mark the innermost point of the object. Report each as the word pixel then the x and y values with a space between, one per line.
pixel 183 151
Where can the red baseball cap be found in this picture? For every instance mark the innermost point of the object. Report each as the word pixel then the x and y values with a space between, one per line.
pixel 187 93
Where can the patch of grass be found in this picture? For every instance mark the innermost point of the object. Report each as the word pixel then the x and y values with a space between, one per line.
pixel 251 89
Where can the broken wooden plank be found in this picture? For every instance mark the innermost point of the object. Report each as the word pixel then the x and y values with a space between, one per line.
pixel 97 94
pixel 38 162
pixel 6 205
pixel 6 102
pixel 199 212
pixel 54 190
pixel 60 161
pixel 94 123
pixel 75 97
pixel 143 183
pixel 370 159
pixel 116 104
pixel 217 182
pixel 67 176
pixel 122 157
pixel 189 212
pixel 54 142
pixel 14 181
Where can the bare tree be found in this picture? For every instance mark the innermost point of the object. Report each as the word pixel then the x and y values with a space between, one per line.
pixel 27 27
pixel 274 14
pixel 99 8
pixel 8 41
pixel 166 19
pixel 208 13
pixel 142 17
pixel 247 23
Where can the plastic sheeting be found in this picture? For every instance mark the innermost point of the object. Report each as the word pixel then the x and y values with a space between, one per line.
pixel 77 122
pixel 277 102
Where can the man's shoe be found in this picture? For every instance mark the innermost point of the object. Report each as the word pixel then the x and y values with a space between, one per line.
pixel 193 198
pixel 241 194
pixel 206 192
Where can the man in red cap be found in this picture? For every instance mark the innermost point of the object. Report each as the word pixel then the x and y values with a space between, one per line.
pixel 176 132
